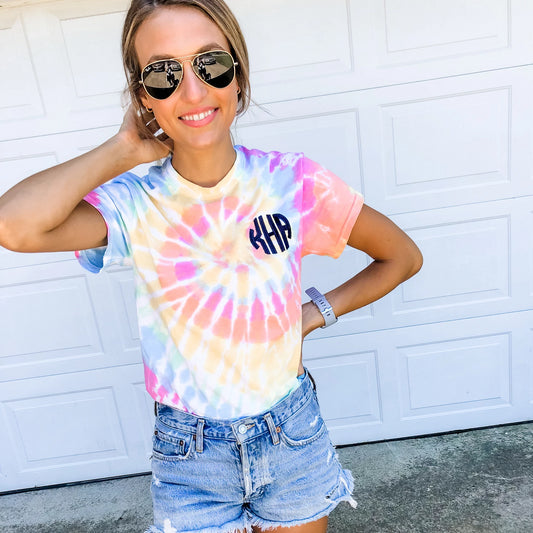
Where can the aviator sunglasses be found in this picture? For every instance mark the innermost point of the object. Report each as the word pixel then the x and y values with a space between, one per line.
pixel 215 68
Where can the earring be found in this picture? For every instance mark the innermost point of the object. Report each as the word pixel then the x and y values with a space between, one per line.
pixel 238 90
pixel 149 109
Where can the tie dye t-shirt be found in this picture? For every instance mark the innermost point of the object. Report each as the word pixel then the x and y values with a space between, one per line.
pixel 217 273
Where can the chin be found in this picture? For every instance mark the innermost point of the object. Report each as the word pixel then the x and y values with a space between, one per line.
pixel 205 141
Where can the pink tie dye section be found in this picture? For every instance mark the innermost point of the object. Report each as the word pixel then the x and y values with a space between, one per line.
pixel 329 211
pixel 159 393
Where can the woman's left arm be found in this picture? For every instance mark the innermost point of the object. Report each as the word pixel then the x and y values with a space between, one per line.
pixel 396 259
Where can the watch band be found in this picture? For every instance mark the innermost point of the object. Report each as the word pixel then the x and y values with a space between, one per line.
pixel 323 306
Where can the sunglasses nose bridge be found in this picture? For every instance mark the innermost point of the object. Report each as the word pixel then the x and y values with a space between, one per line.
pixel 191 82
pixel 191 68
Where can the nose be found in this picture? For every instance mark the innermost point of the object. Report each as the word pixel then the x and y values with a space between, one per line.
pixel 192 88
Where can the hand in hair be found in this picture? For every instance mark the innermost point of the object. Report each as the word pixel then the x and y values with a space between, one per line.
pixel 135 132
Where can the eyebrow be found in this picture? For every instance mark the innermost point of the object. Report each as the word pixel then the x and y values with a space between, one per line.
pixel 205 48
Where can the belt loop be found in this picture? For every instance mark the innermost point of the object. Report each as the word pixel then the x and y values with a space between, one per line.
pixel 200 435
pixel 155 409
pixel 272 428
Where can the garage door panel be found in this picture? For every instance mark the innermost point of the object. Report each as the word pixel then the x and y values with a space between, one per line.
pixel 530 373
pixel 50 61
pixel 471 260
pixel 62 319
pixel 432 39
pixel 60 430
pixel 19 94
pixel 437 30
pixel 451 380
pixel 90 69
pixel 8 469
pixel 522 246
pixel 14 260
pixel 356 376
pixel 47 323
pixel 479 256
pixel 320 40
pixel 68 79
pixel 432 383
pixel 353 364
pixel 86 428
pixel 468 149
pixel 87 55
pixel 114 311
pixel 526 250
pixel 452 142
pixel 65 266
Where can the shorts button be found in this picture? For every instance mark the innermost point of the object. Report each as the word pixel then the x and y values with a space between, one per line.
pixel 242 429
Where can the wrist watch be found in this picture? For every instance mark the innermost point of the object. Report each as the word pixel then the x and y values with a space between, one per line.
pixel 323 306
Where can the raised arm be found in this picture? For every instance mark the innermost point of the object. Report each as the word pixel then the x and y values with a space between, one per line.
pixel 396 259
pixel 46 212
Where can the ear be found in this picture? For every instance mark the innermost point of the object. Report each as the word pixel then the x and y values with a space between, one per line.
pixel 143 97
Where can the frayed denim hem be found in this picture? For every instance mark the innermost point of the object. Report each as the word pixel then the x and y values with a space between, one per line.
pixel 237 526
pixel 348 484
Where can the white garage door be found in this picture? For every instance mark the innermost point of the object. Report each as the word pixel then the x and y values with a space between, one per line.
pixel 423 105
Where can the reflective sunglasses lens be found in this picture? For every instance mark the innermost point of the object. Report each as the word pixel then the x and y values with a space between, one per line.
pixel 161 78
pixel 215 68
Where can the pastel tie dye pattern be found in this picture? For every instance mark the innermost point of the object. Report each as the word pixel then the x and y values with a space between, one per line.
pixel 217 273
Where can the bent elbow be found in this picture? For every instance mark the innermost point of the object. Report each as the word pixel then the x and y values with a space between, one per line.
pixel 5 235
pixel 416 260
pixel 10 239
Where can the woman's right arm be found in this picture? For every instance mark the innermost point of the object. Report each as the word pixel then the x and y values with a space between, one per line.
pixel 46 212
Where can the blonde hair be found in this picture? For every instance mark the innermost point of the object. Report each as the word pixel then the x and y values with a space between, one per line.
pixel 217 11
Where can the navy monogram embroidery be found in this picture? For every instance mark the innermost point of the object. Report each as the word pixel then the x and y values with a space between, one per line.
pixel 271 232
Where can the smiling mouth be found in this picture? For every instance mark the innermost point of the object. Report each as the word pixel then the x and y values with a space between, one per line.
pixel 198 117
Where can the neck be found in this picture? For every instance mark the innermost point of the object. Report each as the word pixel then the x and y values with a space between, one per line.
pixel 205 167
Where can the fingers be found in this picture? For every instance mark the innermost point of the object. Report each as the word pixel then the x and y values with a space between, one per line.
pixel 144 133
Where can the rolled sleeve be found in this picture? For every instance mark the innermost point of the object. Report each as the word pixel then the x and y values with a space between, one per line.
pixel 117 250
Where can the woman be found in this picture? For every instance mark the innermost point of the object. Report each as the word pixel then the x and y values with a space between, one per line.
pixel 215 236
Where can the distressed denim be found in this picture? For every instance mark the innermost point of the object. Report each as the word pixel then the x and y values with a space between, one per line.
pixel 277 468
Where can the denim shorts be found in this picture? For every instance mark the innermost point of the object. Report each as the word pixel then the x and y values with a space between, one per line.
pixel 274 469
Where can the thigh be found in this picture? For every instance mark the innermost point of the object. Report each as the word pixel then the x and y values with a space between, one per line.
pixel 319 526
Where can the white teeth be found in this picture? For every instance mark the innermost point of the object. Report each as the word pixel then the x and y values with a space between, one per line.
pixel 200 116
